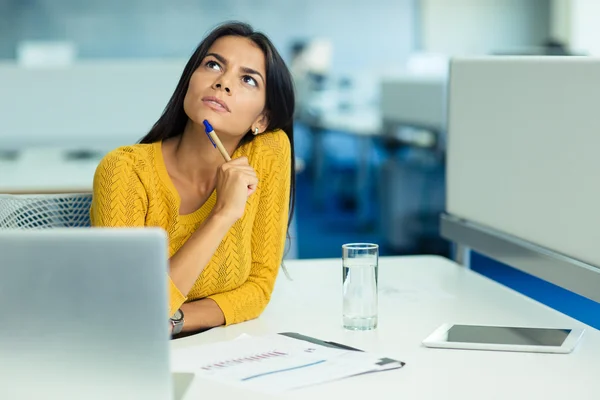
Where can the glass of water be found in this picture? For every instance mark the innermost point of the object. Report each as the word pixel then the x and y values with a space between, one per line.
pixel 359 278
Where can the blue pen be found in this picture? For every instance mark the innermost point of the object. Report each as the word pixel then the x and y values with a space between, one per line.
pixel 208 128
pixel 214 139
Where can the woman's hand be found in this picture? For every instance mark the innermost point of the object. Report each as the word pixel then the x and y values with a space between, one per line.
pixel 236 181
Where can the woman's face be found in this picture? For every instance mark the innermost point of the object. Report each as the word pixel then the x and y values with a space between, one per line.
pixel 228 88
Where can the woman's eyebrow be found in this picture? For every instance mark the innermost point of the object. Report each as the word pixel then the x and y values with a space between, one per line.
pixel 245 70
pixel 219 57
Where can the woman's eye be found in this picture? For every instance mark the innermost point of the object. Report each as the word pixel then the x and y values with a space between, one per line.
pixel 213 65
pixel 249 80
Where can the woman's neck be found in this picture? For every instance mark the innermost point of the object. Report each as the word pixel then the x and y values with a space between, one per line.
pixel 194 155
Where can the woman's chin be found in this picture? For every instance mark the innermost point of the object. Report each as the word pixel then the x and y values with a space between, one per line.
pixel 221 125
pixel 215 119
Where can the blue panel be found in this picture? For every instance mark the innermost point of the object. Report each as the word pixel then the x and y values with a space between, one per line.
pixel 569 303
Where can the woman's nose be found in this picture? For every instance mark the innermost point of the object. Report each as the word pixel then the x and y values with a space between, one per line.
pixel 219 86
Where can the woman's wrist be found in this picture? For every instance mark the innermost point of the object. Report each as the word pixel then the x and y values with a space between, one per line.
pixel 201 315
pixel 222 218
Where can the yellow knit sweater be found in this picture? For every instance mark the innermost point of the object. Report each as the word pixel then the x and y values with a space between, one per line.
pixel 132 189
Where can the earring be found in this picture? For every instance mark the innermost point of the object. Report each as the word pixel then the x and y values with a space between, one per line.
pixel 255 131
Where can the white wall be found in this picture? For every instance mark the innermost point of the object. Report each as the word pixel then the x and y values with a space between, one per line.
pixel 576 23
pixel 585 26
pixel 367 38
pixel 463 27
pixel 364 33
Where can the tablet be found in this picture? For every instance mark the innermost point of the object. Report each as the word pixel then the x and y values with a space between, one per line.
pixel 504 338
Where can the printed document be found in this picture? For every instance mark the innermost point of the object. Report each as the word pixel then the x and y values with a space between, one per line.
pixel 276 363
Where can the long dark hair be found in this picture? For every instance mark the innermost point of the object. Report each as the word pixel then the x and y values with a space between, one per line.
pixel 280 100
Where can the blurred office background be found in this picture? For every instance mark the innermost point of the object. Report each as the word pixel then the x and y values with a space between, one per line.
pixel 78 78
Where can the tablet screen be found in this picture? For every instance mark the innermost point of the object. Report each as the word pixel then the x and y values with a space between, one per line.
pixel 507 335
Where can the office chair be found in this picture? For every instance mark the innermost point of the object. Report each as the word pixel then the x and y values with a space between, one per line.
pixel 45 211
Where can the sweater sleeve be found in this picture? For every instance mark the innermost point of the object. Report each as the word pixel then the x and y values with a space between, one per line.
pixel 120 200
pixel 268 236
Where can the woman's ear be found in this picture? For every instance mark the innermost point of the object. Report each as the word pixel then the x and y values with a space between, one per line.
pixel 261 123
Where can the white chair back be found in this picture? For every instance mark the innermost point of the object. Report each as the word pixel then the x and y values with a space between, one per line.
pixel 45 211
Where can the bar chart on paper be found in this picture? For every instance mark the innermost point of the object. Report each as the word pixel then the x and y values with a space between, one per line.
pixel 258 365
pixel 275 363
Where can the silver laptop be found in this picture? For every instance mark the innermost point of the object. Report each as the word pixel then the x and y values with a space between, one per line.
pixel 83 315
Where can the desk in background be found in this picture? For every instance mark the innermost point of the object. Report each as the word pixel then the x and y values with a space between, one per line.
pixel 54 170
pixel 48 170
pixel 417 294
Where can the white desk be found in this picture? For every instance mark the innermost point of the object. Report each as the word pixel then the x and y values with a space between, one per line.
pixel 417 295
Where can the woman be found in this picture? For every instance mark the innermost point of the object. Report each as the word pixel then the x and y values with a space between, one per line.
pixel 226 221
